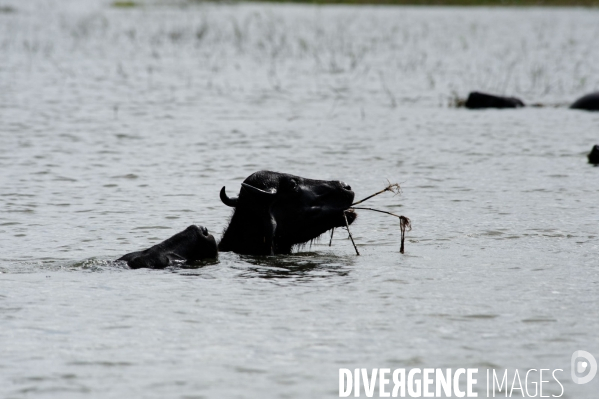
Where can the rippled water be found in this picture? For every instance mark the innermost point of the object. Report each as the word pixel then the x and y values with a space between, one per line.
pixel 118 127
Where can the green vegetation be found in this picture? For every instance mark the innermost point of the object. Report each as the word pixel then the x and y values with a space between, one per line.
pixel 125 4
pixel 561 3
pixel 6 10
pixel 522 3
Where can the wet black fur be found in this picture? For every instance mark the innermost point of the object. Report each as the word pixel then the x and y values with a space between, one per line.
pixel 193 243
pixel 300 211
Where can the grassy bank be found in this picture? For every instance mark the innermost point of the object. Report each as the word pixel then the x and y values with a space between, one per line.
pixel 524 3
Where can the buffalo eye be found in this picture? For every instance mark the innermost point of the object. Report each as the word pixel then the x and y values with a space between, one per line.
pixel 293 184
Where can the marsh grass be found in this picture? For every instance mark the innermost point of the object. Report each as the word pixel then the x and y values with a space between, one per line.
pixel 373 62
pixel 125 4
pixel 7 10
pixel 474 3
pixel 411 53
pixel 455 101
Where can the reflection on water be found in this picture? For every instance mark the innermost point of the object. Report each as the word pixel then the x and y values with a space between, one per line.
pixel 299 267
pixel 118 128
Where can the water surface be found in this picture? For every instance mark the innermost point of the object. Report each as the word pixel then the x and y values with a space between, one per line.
pixel 118 127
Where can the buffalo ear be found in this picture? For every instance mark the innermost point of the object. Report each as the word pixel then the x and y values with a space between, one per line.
pixel 232 202
pixel 267 195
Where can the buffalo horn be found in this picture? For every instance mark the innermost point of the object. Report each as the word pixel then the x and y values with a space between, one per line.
pixel 232 202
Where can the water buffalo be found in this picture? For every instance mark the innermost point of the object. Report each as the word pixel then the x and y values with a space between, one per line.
pixel 590 102
pixel 477 100
pixel 193 243
pixel 275 212
pixel 594 155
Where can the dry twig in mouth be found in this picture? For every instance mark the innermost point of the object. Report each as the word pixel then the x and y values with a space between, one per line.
pixel 350 236
pixel 394 188
pixel 376 210
pixel 404 222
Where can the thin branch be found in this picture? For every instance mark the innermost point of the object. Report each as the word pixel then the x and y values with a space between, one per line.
pixel 376 210
pixel 350 236
pixel 404 223
pixel 394 188
pixel 332 231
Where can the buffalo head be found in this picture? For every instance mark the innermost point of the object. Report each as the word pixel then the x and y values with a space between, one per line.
pixel 276 211
pixel 193 243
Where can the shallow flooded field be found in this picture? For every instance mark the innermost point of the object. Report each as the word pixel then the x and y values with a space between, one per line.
pixel 118 127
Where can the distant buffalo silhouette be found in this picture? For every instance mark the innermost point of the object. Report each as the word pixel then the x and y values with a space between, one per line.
pixel 594 155
pixel 590 102
pixel 477 100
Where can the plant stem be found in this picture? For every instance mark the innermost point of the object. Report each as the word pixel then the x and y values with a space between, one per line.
pixel 376 210
pixel 390 187
pixel 404 223
pixel 350 236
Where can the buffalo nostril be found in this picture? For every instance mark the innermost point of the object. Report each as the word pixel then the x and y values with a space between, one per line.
pixel 345 185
